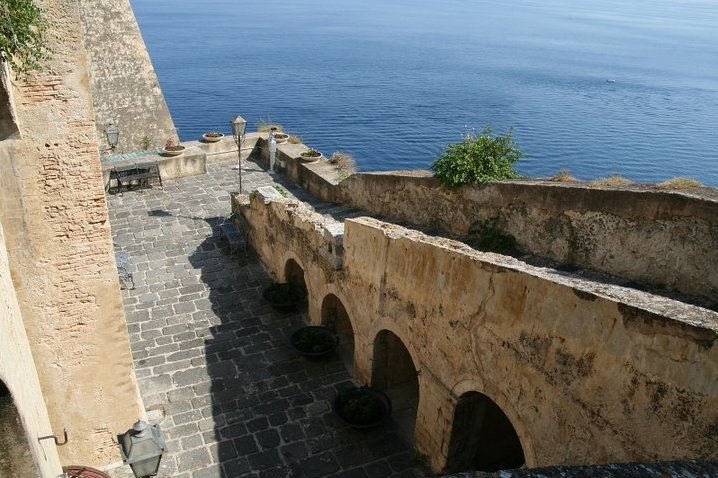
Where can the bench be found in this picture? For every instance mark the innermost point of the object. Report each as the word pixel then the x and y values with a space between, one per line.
pixel 139 173
pixel 236 237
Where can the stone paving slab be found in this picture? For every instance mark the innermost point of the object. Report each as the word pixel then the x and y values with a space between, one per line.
pixel 212 359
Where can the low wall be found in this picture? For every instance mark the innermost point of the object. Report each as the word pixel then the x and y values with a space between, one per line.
pixel 586 373
pixel 659 238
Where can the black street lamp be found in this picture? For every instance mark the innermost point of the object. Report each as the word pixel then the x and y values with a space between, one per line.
pixel 239 127
pixel 142 447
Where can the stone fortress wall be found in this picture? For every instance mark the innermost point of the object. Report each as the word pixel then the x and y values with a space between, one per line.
pixel 125 89
pixel 584 374
pixel 54 216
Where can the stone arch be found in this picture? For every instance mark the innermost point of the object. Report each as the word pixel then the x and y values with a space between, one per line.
pixel 335 317
pixel 486 433
pixel 395 373
pixel 16 458
pixel 294 272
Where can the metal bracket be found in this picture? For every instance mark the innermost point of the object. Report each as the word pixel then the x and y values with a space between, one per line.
pixel 55 438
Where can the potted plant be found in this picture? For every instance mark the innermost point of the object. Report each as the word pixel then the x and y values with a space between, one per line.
pixel 172 148
pixel 284 297
pixel 310 155
pixel 281 137
pixel 212 136
pixel 362 407
pixel 314 341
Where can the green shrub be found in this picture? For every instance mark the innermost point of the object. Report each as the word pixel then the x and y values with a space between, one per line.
pixel 22 35
pixel 480 158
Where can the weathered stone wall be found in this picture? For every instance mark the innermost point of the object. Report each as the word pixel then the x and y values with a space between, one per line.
pixel 125 89
pixel 587 373
pixel 657 238
pixel 664 239
pixel 19 375
pixel 54 212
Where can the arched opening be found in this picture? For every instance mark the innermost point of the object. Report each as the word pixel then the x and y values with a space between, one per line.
pixel 15 454
pixel 483 438
pixel 294 274
pixel 335 318
pixel 394 373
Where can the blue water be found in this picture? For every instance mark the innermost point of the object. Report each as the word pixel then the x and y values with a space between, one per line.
pixel 393 81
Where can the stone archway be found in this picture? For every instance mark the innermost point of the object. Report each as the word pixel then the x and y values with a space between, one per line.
pixel 16 457
pixel 335 317
pixel 394 372
pixel 294 274
pixel 482 437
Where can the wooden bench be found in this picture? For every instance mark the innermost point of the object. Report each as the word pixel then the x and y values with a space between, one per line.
pixel 236 237
pixel 140 174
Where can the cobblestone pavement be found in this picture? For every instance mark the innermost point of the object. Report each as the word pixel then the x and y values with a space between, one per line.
pixel 212 359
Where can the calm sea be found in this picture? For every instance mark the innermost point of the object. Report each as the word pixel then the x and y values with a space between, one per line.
pixel 596 87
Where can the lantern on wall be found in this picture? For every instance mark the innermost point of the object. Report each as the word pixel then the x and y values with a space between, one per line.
pixel 113 135
pixel 142 448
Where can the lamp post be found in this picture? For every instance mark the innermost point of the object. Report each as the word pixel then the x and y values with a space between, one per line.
pixel 142 447
pixel 113 135
pixel 239 127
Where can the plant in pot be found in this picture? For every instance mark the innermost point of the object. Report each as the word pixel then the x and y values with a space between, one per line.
pixel 362 407
pixel 314 341
pixel 310 155
pixel 281 137
pixel 172 148
pixel 284 297
pixel 212 136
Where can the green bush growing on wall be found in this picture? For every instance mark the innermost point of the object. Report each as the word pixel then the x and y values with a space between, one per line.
pixel 22 35
pixel 480 158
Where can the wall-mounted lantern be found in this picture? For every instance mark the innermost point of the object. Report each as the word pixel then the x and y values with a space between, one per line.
pixel 239 127
pixel 113 135
pixel 142 447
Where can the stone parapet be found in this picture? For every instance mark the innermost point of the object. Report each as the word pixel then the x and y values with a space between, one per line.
pixel 663 239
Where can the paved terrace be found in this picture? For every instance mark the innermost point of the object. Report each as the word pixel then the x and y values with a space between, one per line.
pixel 211 357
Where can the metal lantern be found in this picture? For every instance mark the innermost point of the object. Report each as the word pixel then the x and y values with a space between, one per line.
pixel 239 127
pixel 142 447
pixel 113 135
